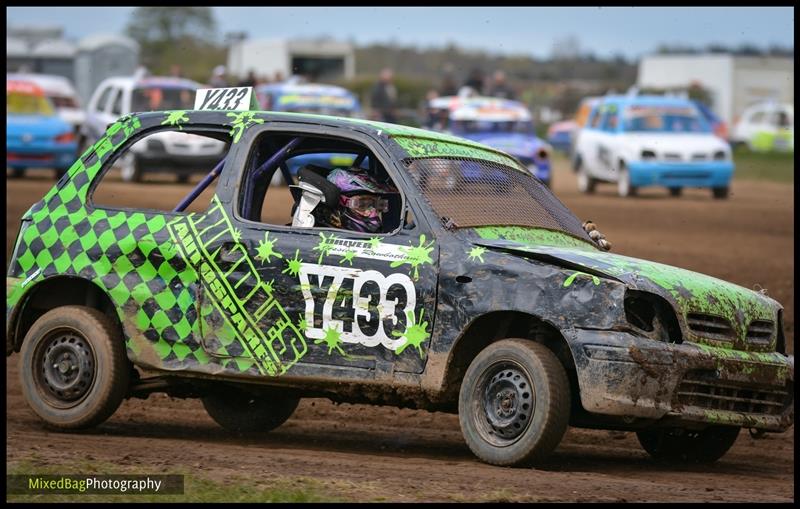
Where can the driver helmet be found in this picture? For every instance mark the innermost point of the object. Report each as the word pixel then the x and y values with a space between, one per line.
pixel 362 199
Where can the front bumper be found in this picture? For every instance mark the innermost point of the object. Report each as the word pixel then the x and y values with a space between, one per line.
pixel 701 174
pixel 41 155
pixel 625 375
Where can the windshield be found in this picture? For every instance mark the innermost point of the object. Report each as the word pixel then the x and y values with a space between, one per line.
pixel 62 101
pixel 27 104
pixel 468 193
pixel 162 98
pixel 664 119
pixel 491 126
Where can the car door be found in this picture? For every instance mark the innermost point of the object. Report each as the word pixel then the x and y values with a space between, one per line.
pixel 604 162
pixel 318 299
pixel 586 143
pixel 97 118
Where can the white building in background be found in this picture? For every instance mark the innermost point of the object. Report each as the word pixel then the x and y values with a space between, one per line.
pixel 44 50
pixel 319 59
pixel 735 82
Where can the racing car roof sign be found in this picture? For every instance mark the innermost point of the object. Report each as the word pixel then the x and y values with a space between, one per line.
pixel 233 98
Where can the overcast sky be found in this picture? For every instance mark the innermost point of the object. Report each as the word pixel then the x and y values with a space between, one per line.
pixel 631 31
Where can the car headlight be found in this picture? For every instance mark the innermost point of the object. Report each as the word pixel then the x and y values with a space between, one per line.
pixel 648 154
pixel 652 316
pixel 720 155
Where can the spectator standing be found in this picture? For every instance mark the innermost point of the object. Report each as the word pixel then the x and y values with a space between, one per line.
pixel 500 87
pixel 175 71
pixel 448 86
pixel 384 97
pixel 218 77
pixel 475 80
pixel 250 80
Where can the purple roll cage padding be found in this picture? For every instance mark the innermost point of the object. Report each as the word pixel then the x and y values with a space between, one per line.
pixel 267 166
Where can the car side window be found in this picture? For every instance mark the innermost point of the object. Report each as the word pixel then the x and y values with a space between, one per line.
pixel 159 170
pixel 609 121
pixel 351 189
pixel 594 123
pixel 116 105
pixel 102 101
pixel 758 117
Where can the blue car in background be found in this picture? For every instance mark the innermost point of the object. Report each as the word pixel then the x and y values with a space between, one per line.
pixel 296 96
pixel 499 123
pixel 36 137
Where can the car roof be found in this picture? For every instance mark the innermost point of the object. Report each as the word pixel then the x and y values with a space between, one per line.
pixel 23 87
pixel 52 84
pixel 645 100
pixel 154 81
pixel 415 141
pixel 481 108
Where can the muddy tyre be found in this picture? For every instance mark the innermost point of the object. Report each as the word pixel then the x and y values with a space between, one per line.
pixel 675 191
pixel 74 371
pixel 624 187
pixel 688 446
pixel 586 183
pixel 514 403
pixel 720 193
pixel 243 412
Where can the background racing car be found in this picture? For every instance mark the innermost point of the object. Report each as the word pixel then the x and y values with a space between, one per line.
pixel 175 153
pixel 638 141
pixel 36 137
pixel 495 304
pixel 500 123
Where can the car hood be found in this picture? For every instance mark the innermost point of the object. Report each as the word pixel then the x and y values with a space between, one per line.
pixel 687 291
pixel 676 143
pixel 516 144
pixel 36 125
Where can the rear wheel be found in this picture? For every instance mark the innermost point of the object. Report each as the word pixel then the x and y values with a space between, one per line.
pixel 74 371
pixel 514 403
pixel 17 172
pixel 675 191
pixel 183 178
pixel 720 193
pixel 688 446
pixel 60 172
pixel 624 187
pixel 241 411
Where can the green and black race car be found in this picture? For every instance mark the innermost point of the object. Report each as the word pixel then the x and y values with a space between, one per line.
pixel 483 295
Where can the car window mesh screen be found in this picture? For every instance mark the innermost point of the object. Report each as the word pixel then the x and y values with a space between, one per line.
pixel 482 193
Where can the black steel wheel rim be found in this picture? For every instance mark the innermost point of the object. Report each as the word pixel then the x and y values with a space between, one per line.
pixel 505 403
pixel 64 367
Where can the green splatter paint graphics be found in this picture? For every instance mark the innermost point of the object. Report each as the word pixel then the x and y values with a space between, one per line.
pixel 415 334
pixel 332 339
pixel 532 236
pixel 416 255
pixel 242 121
pixel 237 235
pixel 265 250
pixel 476 253
pixel 374 242
pixel 569 280
pixel 293 265
pixel 302 323
pixel 176 118
pixel 325 245
pixel 348 257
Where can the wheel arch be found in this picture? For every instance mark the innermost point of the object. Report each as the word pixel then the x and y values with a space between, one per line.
pixel 53 292
pixel 495 326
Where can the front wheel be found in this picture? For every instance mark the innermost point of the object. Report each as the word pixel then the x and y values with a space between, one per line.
pixel 586 184
pixel 240 411
pixel 720 193
pixel 514 403
pixel 675 191
pixel 688 446
pixel 624 187
pixel 74 371
pixel 18 172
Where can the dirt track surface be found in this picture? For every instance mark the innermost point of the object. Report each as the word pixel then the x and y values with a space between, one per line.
pixel 366 453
